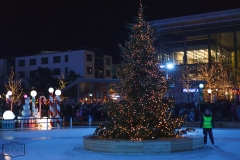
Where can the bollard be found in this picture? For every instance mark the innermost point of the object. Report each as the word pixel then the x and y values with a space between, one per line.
pixel 89 121
pixel 63 121
pixel 70 122
pixel 47 123
pixel 21 125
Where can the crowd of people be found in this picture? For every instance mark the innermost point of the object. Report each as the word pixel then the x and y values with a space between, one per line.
pixel 81 112
pixel 221 110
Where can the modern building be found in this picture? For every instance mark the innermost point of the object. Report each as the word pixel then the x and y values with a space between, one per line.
pixel 92 65
pixel 3 69
pixel 86 63
pixel 3 75
pixel 200 38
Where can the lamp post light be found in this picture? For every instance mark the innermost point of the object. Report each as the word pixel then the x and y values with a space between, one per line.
pixel 167 68
pixel 200 91
pixel 91 97
pixel 58 93
pixel 9 99
pixel 50 90
pixel 201 86
pixel 33 93
pixel 209 93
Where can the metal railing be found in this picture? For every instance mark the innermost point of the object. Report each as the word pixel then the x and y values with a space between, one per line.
pixel 46 123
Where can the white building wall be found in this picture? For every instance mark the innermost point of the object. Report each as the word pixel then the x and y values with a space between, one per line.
pixel 107 66
pixel 89 64
pixel 77 61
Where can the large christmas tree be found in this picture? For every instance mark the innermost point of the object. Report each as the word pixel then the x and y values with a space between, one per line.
pixel 143 111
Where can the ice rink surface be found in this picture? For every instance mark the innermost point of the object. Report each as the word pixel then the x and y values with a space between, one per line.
pixel 67 144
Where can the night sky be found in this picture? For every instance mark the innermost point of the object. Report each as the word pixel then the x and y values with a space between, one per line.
pixel 28 27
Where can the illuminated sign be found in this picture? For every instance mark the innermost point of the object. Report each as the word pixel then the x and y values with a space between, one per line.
pixel 191 90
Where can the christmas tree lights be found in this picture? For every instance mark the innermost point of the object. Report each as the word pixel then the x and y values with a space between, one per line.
pixel 143 111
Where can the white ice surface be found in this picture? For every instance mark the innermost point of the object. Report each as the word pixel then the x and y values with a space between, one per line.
pixel 67 144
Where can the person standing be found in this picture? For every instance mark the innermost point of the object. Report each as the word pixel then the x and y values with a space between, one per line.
pixel 233 111
pixel 238 112
pixel 207 124
pixel 80 113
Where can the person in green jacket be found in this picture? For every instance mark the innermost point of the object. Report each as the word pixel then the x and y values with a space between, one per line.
pixel 207 124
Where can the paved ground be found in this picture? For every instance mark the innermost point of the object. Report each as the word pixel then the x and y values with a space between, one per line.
pixel 63 144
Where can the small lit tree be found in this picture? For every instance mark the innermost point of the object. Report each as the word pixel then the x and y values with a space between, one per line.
pixel 61 81
pixel 15 87
pixel 186 79
pixel 216 76
pixel 62 84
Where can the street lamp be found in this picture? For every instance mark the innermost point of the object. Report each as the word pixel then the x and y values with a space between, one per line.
pixel 50 90
pixel 200 91
pixel 167 68
pixel 58 93
pixel 9 99
pixel 170 66
pixel 209 93
pixel 201 86
pixel 9 93
pixel 33 94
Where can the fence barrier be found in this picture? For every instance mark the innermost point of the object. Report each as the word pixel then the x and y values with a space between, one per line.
pixel 44 122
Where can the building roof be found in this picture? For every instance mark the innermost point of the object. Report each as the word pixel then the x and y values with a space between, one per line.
pixel 211 17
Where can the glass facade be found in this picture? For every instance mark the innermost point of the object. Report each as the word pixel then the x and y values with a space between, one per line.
pixel 201 38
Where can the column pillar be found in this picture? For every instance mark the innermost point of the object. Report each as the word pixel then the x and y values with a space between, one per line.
pixel 209 50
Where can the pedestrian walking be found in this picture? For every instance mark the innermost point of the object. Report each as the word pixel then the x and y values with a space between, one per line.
pixel 207 124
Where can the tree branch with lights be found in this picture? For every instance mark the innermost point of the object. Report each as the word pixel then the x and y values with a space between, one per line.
pixel 186 78
pixel 14 86
pixel 216 76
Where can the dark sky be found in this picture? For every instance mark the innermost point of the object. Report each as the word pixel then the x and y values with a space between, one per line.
pixel 31 26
